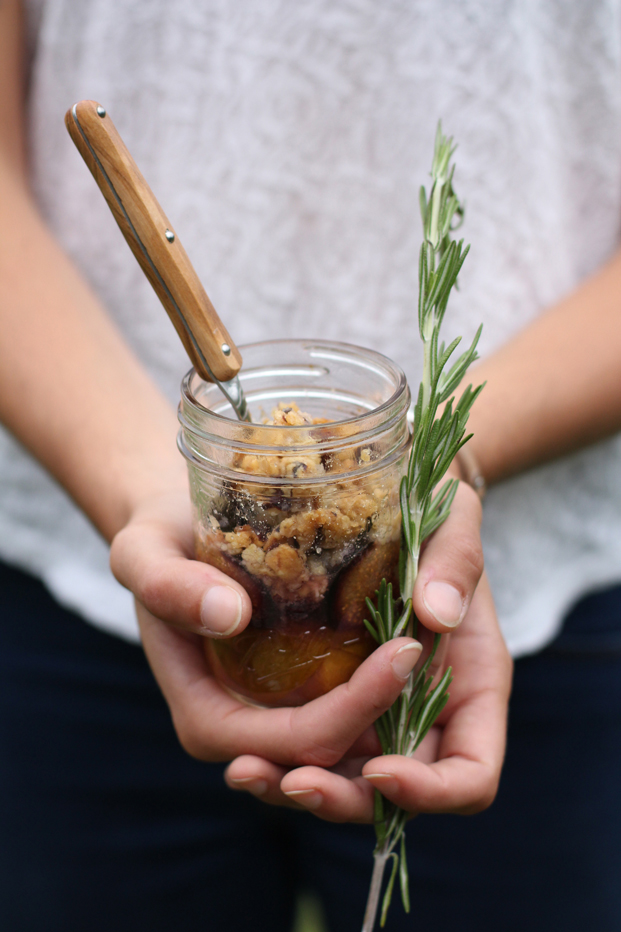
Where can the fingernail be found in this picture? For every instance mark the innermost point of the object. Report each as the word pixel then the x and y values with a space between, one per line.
pixel 221 611
pixel 444 602
pixel 383 781
pixel 310 799
pixel 405 659
pixel 254 785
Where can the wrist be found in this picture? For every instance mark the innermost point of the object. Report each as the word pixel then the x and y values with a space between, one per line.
pixel 167 483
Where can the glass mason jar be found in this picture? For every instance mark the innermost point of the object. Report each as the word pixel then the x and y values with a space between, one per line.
pixel 301 507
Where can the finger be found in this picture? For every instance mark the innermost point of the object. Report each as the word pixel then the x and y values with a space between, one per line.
pixel 212 725
pixel 451 565
pixel 332 796
pixel 465 777
pixel 328 727
pixel 455 784
pixel 260 778
pixel 338 795
pixel 149 557
pixel 366 746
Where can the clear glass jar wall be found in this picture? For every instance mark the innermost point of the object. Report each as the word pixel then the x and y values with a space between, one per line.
pixel 303 511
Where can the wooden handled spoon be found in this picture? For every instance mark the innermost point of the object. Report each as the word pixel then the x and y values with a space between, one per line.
pixel 156 246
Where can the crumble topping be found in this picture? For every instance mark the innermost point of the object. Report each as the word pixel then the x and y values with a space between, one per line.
pixel 295 541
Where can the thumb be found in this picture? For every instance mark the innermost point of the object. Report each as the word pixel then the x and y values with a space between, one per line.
pixel 149 558
pixel 451 565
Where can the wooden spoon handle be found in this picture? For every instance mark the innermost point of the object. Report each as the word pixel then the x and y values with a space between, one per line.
pixel 153 242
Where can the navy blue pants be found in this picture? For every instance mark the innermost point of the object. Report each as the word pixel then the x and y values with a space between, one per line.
pixel 106 825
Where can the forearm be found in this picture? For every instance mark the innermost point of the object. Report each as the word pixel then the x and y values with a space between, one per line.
pixel 556 386
pixel 70 389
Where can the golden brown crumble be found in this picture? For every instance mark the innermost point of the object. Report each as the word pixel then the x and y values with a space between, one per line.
pixel 311 538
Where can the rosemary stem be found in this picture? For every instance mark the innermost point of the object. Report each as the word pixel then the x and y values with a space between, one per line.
pixel 411 572
pixel 379 864
pixel 435 440
pixel 411 565
pixel 426 371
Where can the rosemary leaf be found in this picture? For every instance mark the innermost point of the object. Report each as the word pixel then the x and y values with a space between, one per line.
pixel 403 876
pixel 388 895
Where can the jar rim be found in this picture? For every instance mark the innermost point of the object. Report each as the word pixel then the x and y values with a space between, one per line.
pixel 363 421
pixel 209 440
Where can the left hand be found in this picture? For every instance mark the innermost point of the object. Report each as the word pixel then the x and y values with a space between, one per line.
pixel 152 556
pixel 457 767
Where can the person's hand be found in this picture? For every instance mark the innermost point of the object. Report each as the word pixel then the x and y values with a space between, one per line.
pixel 176 606
pixel 179 603
pixel 457 767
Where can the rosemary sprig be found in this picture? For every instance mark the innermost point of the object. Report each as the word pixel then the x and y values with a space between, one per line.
pixel 439 430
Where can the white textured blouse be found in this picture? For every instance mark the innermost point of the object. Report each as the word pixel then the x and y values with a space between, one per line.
pixel 287 142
